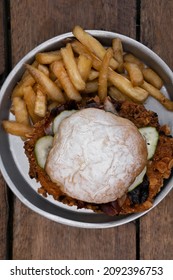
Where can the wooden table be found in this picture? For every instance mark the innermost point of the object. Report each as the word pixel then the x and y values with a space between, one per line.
pixel 25 234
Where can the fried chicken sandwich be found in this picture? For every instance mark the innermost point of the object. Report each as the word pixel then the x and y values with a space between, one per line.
pixel 110 157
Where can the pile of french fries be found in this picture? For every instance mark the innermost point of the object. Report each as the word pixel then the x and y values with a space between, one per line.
pixel 81 67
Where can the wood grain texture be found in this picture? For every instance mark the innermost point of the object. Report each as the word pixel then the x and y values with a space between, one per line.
pixel 157 226
pixel 35 237
pixel 38 238
pixel 3 188
pixel 157 16
pixel 157 231
pixel 3 219
pixel 2 61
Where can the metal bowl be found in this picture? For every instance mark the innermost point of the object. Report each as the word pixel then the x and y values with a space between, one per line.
pixel 13 162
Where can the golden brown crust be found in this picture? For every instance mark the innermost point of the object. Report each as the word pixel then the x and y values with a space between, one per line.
pixel 158 169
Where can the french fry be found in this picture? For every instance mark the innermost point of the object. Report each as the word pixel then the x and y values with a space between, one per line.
pixel 40 104
pixel 152 77
pixel 57 82
pixel 81 69
pixel 157 94
pixel 134 73
pixel 93 75
pixel 44 69
pixel 38 87
pixel 96 63
pixel 29 98
pixel 71 67
pixel 80 49
pixel 20 111
pixel 116 94
pixel 137 94
pixel 92 44
pixel 103 75
pixel 18 129
pixel 91 87
pixel 26 73
pixel 59 70
pixel 128 57
pixel 52 75
pixel 84 66
pixel 48 57
pixel 118 53
pixel 28 80
pixel 47 84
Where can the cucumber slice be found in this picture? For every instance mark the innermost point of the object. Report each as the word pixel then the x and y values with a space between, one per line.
pixel 60 117
pixel 151 136
pixel 138 180
pixel 42 148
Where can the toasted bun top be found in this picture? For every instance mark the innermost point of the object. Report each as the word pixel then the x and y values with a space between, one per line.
pixel 96 156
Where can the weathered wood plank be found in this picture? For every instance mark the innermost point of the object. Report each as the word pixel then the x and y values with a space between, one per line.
pixel 35 237
pixel 156 33
pixel 2 60
pixel 3 188
pixel 156 232
pixel 156 27
pixel 3 219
